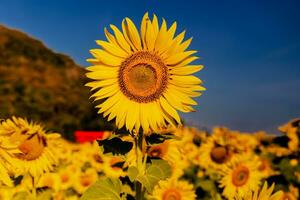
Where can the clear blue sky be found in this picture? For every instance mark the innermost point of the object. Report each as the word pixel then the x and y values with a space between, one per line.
pixel 250 49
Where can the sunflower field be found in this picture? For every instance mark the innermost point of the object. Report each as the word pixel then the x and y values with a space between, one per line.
pixel 140 79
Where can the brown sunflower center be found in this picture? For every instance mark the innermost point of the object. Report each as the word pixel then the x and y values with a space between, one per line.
pixel 220 154
pixel 143 77
pixel 171 194
pixel 240 175
pixel 32 148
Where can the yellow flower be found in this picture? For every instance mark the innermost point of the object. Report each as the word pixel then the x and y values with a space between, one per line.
pixel 67 176
pixel 169 151
pixel 28 148
pixel 85 179
pixel 240 176
pixel 291 130
pixel 50 180
pixel 265 167
pixel 292 194
pixel 144 78
pixel 173 189
pixel 113 166
pixel 264 194
pixel 215 152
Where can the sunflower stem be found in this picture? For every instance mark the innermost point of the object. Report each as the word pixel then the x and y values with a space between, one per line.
pixel 139 148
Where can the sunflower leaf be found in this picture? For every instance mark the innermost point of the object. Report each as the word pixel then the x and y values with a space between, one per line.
pixel 115 146
pixel 158 170
pixel 104 189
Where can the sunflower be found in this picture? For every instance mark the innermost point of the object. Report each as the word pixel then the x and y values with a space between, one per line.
pixel 85 179
pixel 292 194
pixel 28 148
pixel 292 131
pixel 173 189
pixel 50 180
pixel 113 166
pixel 264 194
pixel 215 152
pixel 169 151
pixel 240 176
pixel 144 78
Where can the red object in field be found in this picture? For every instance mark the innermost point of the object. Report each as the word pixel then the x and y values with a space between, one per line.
pixel 88 136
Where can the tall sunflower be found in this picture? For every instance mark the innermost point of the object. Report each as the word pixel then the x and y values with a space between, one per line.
pixel 144 77
pixel 27 147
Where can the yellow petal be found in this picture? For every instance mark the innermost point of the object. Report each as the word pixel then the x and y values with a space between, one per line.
pixel 185 62
pixel 133 34
pixel 109 90
pixel 181 96
pixel 182 47
pixel 120 39
pixel 155 25
pixel 169 109
pixel 132 116
pixel 187 70
pixel 106 57
pixel 112 49
pixel 143 28
pixel 161 37
pixel 185 80
pixel 98 84
pixel 150 37
pixel 179 57
pixel 100 75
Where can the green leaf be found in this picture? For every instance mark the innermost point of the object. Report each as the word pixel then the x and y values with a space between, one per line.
pixel 104 189
pixel 158 170
pixel 132 173
pixel 115 145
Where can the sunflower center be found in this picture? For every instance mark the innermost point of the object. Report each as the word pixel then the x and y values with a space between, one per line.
pixel 240 176
pixel 143 77
pixel 32 148
pixel 171 194
pixel 219 154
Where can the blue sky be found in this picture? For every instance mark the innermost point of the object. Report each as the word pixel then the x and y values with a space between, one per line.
pixel 250 49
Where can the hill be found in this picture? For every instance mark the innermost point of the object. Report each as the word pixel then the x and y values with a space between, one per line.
pixel 43 86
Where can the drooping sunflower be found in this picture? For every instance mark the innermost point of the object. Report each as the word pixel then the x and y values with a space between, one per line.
pixel 264 194
pixel 28 149
pixel 144 77
pixel 240 176
pixel 173 189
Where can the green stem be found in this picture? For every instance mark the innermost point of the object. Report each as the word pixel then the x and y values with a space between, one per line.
pixel 139 146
